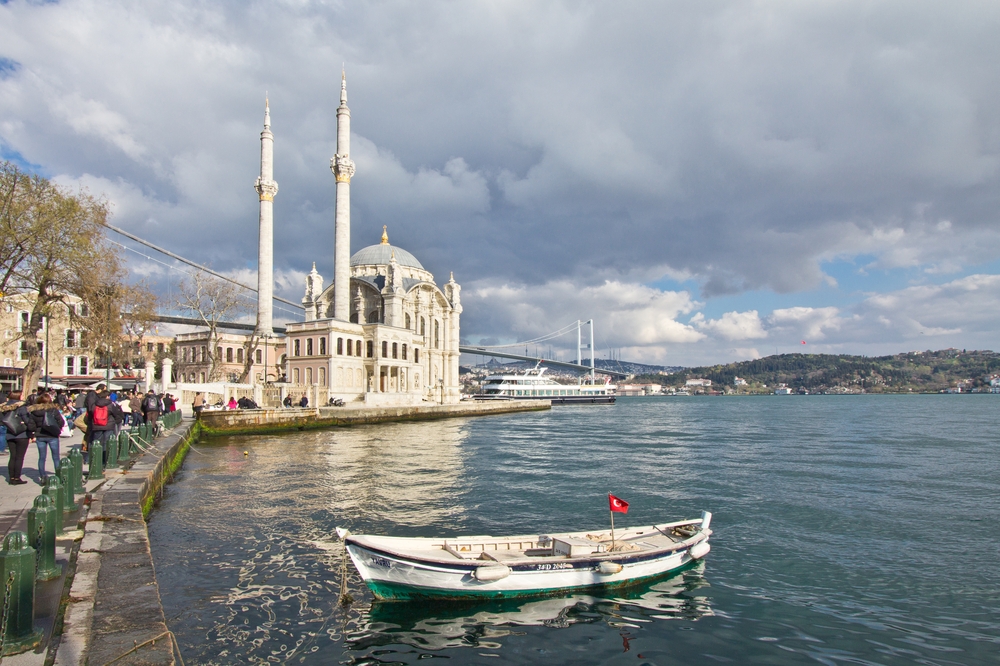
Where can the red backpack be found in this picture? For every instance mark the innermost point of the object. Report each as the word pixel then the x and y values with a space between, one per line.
pixel 100 415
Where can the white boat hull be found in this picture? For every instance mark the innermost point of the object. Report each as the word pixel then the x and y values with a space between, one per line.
pixel 391 574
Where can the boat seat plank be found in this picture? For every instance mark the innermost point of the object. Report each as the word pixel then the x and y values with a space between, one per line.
pixel 504 556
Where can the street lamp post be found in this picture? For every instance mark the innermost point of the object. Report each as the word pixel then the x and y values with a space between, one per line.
pixel 47 322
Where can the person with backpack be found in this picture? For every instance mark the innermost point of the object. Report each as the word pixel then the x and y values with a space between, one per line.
pixel 151 407
pixel 49 421
pixel 103 420
pixel 20 430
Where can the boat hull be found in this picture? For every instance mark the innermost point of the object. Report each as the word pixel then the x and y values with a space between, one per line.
pixel 555 400
pixel 391 576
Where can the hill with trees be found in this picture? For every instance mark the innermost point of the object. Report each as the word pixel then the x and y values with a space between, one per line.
pixel 928 371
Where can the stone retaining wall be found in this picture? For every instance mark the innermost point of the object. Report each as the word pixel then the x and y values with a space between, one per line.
pixel 250 421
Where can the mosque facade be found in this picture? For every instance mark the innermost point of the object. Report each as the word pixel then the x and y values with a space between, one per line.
pixel 383 332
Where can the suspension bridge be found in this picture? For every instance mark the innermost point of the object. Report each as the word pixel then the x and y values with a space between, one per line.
pixel 500 351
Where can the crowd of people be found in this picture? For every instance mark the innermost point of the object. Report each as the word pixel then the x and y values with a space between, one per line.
pixel 43 417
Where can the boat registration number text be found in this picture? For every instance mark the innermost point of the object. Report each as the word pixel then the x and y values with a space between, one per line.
pixel 555 566
pixel 381 562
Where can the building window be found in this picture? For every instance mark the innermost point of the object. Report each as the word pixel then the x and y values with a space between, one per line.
pixel 357 348
pixel 258 356
pixel 322 376
pixel 70 338
pixel 395 350
pixel 159 347
pixel 239 354
pixel 84 366
pixel 423 326
pixel 350 347
pixel 385 349
pixel 416 355
pixel 84 311
pixel 340 346
pixel 309 347
pixel 295 376
pixel 229 354
pixel 309 376
pixel 70 310
pixel 437 337
pixel 322 346
pixel 407 320
pixel 404 351
pixel 22 321
pixel 370 349
pixel 203 352
pixel 149 347
pixel 70 365
pixel 184 355
pixel 218 353
pixel 295 347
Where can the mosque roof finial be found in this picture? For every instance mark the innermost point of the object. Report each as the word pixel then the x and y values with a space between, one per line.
pixel 385 235
pixel 267 111
pixel 343 87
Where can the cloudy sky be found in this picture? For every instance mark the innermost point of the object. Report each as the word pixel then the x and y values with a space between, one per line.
pixel 708 181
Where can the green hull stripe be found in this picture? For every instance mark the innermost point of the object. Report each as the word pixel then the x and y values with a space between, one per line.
pixel 385 590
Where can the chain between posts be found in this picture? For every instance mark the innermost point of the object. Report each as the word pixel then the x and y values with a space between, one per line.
pixel 5 611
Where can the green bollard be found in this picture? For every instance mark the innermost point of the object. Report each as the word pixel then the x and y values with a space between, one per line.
pixel 77 458
pixel 123 447
pixel 42 525
pixel 17 585
pixel 112 443
pixel 96 457
pixel 54 491
pixel 65 473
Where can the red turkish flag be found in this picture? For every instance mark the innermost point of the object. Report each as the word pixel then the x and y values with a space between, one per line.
pixel 617 504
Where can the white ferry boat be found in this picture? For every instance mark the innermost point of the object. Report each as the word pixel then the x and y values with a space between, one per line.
pixel 532 385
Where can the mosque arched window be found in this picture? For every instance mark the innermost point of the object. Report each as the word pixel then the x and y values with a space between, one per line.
pixel 322 346
pixel 407 320
pixel 373 317
pixel 423 326
pixel 385 349
pixel 295 348
pixel 340 346
pixel 395 350
pixel 350 347
pixel 295 376
pixel 309 376
pixel 309 348
pixel 404 351
pixel 357 348
pixel 371 349
pixel 416 355
pixel 322 376
pixel 437 336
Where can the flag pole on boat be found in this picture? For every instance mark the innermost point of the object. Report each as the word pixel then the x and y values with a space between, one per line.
pixel 616 505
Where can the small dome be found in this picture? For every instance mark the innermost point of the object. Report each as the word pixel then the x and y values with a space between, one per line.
pixel 381 254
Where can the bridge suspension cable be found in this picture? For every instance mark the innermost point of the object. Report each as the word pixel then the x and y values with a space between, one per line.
pixel 548 336
pixel 195 265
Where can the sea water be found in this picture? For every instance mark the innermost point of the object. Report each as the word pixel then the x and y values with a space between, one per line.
pixel 848 530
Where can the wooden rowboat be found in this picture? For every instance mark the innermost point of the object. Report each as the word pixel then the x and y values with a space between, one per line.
pixel 479 567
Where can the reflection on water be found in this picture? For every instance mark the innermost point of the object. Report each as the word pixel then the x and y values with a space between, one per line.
pixel 443 625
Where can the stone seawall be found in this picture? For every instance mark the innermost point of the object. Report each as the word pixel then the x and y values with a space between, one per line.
pixel 253 421
pixel 114 602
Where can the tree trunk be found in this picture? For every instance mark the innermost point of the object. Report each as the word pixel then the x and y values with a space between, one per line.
pixel 36 361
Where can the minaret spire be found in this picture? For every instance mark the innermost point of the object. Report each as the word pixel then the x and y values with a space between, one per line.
pixel 343 168
pixel 266 189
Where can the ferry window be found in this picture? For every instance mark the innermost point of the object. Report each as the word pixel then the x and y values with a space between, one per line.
pixel 395 350
pixel 296 348
pixel 404 351
pixel 309 348
pixel 385 349
pixel 350 347
pixel 229 354
pixel 370 349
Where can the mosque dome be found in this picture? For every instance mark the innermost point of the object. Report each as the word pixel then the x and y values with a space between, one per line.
pixel 381 255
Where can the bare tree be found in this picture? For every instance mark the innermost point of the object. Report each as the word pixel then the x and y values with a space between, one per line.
pixel 119 314
pixel 211 300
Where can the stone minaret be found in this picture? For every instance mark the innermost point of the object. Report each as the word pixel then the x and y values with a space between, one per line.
pixel 343 168
pixel 266 189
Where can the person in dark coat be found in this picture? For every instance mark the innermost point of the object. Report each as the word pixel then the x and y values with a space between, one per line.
pixel 103 409
pixel 151 407
pixel 18 442
pixel 46 435
pixel 304 402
